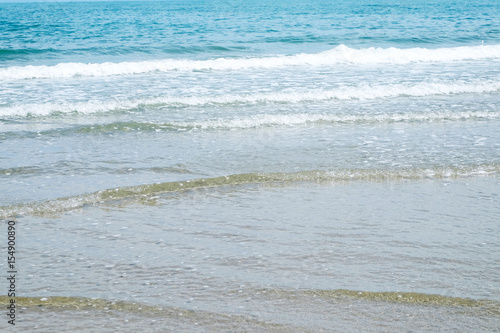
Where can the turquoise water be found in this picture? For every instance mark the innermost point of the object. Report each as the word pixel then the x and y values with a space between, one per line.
pixel 263 166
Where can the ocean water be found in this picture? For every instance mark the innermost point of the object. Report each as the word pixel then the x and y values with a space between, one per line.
pixel 252 166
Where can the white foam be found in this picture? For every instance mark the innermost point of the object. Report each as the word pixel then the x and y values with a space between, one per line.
pixel 341 93
pixel 301 119
pixel 337 55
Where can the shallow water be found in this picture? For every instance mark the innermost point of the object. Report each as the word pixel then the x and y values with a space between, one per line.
pixel 193 166
pixel 280 258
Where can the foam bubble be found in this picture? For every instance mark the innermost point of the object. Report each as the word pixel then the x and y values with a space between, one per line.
pixel 304 118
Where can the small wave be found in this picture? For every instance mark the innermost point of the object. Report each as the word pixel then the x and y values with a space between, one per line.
pixel 411 298
pixel 95 314
pixel 17 52
pixel 489 307
pixel 258 121
pixel 70 169
pixel 267 120
pixel 148 193
pixel 284 97
pixel 20 171
pixel 338 55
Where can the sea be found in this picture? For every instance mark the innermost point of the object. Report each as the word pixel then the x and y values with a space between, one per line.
pixel 250 166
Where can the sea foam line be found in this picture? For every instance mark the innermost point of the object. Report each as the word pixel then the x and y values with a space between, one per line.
pixel 363 92
pixel 267 120
pixel 148 194
pixel 338 55
pixel 255 121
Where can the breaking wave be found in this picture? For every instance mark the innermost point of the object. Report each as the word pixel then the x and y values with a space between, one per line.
pixel 338 55
pixel 285 97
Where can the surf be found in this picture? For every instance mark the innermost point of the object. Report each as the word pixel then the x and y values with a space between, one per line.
pixel 339 55
pixel 341 93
